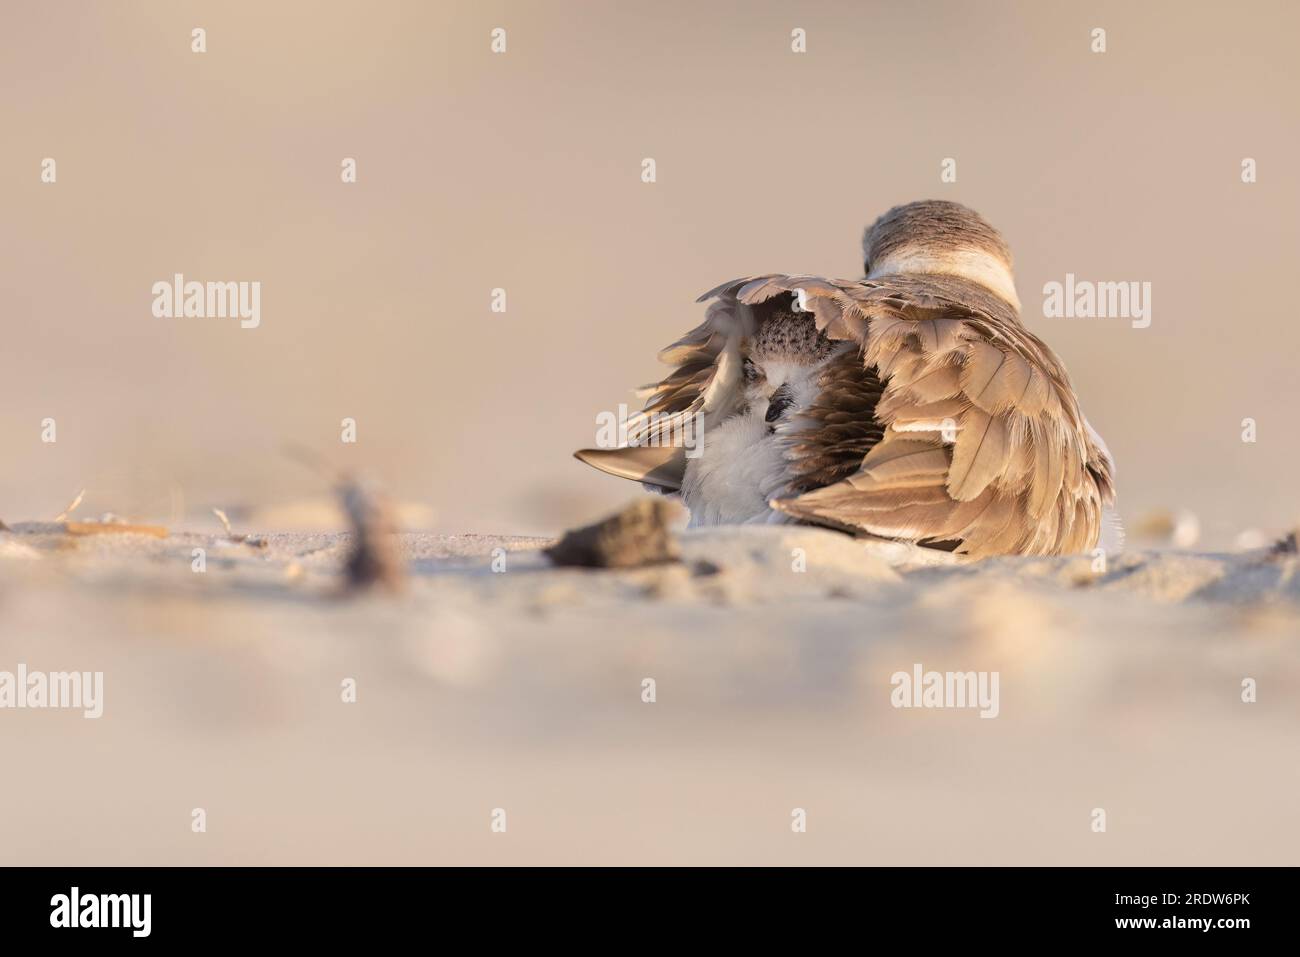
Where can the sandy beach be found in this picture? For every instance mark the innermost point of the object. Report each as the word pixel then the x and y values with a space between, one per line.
pixel 522 690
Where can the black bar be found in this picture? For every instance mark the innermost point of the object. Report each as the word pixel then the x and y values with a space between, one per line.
pixel 1161 906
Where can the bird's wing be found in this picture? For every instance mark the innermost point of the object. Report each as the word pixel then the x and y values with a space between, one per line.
pixel 981 440
pixel 705 386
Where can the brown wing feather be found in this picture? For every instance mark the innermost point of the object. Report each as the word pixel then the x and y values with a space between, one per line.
pixel 976 435
pixel 705 382
pixel 828 440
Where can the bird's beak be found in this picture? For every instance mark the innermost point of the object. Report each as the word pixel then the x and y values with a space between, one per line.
pixel 664 466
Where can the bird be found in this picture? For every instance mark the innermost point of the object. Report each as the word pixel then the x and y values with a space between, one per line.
pixel 911 405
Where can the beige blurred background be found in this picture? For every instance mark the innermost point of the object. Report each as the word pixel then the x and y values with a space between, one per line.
pixel 1122 688
pixel 522 171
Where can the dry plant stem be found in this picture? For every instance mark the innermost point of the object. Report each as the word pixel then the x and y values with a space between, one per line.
pixel 106 528
pixel 71 506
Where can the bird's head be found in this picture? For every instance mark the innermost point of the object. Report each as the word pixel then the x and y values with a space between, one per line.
pixel 937 236
pixel 784 359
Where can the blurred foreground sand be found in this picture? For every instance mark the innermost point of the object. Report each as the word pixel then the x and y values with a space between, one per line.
pixel 522 690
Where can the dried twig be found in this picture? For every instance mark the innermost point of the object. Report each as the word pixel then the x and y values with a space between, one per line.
pixel 225 522
pixel 114 528
pixel 250 540
pixel 375 558
pixel 71 507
